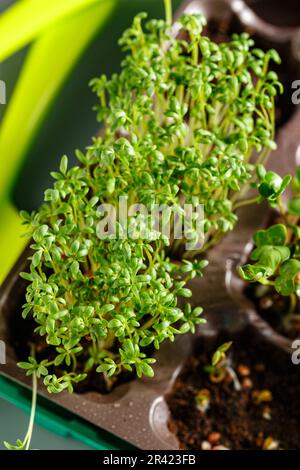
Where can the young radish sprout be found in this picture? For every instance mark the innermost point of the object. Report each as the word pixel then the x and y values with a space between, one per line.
pixel 186 121
pixel 221 367
pixel 276 257
pixel 217 370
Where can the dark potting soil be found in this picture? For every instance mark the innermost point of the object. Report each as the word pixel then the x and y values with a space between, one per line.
pixel 273 308
pixel 234 419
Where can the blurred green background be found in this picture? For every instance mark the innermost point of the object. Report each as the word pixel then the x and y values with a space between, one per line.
pixel 49 51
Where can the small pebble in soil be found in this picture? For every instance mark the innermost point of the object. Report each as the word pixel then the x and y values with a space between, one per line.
pixel 220 448
pixel 205 445
pixel 243 370
pixel 260 439
pixel 247 383
pixel 260 367
pixel 270 444
pixel 202 400
pixel 261 396
pixel 214 437
pixel 267 413
pixel 266 303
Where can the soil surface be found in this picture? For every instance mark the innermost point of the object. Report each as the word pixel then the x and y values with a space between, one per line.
pixel 273 308
pixel 263 415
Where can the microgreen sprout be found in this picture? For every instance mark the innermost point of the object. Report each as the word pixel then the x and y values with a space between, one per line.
pixel 219 356
pixel 196 117
pixel 276 257
pixel 221 367
pixel 202 400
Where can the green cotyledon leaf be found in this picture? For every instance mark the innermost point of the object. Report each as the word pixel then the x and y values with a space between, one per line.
pixel 288 280
pixel 274 235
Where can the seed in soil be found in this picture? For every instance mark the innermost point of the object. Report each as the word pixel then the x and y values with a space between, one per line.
pixel 261 396
pixel 250 418
pixel 270 444
pixel 214 437
pixel 243 370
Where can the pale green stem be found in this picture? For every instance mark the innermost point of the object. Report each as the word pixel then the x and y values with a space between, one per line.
pixel 168 11
pixel 246 202
pixel 293 304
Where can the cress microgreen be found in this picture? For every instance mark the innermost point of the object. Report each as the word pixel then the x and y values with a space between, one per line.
pixel 185 121
pixel 196 118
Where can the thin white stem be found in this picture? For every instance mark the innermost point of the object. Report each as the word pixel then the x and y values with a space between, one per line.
pixel 28 436
pixel 236 382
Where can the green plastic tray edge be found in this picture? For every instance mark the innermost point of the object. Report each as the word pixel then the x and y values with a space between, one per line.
pixel 63 424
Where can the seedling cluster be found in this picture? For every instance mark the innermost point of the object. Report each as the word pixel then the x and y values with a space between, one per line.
pixel 186 121
pixel 276 257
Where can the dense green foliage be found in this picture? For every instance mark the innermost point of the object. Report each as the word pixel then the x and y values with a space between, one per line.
pixel 197 117
pixel 185 121
pixel 276 257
